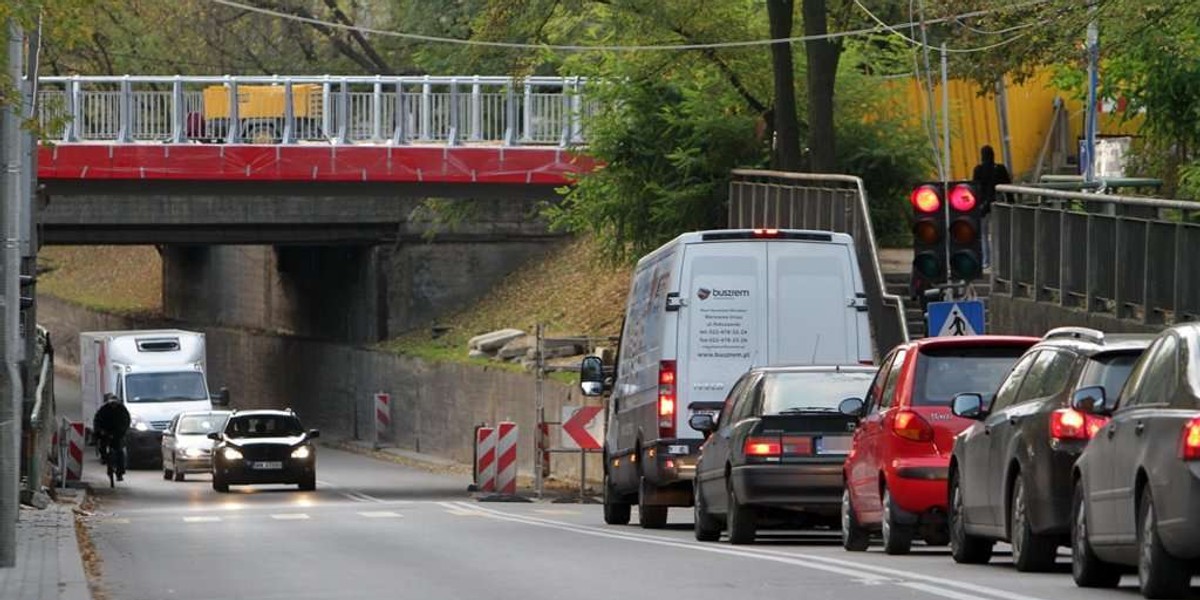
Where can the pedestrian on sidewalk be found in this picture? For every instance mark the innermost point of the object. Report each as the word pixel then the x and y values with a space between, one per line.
pixel 988 174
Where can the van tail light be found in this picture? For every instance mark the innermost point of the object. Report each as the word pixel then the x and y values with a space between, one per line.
pixel 1070 424
pixel 910 426
pixel 1189 442
pixel 666 399
pixel 766 233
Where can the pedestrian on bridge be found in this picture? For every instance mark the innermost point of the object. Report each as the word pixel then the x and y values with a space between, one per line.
pixel 988 174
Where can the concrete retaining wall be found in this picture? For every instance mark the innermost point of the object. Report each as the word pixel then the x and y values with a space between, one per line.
pixel 1020 316
pixel 331 386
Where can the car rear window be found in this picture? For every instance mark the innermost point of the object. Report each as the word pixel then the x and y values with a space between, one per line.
pixel 200 424
pixel 943 373
pixel 793 392
pixel 1108 371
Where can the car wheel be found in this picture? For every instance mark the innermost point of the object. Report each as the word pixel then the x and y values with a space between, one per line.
pixel 1031 552
pixel 1088 570
pixel 897 537
pixel 743 527
pixel 615 511
pixel 964 547
pixel 855 538
pixel 219 484
pixel 308 483
pixel 649 517
pixel 707 527
pixel 1160 574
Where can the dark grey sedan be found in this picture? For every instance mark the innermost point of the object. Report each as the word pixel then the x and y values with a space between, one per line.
pixel 1137 486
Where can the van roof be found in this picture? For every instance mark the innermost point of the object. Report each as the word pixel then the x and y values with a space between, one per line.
pixel 716 236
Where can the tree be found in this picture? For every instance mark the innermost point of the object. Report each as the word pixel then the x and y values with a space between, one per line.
pixel 787 125
pixel 822 56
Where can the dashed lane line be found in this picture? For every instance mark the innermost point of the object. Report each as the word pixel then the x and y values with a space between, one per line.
pixel 206 519
pixel 290 517
pixel 381 514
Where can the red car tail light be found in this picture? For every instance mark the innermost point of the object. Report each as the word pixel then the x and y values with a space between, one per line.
pixel 1189 441
pixel 1070 424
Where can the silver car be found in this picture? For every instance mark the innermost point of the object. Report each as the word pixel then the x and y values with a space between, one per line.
pixel 186 447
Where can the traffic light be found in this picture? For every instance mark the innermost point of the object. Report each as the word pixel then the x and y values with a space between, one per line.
pixel 929 235
pixel 965 234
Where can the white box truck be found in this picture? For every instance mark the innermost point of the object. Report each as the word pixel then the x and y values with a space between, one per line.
pixel 702 310
pixel 156 373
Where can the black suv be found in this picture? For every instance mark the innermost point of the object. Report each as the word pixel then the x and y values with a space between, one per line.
pixel 264 446
pixel 1010 473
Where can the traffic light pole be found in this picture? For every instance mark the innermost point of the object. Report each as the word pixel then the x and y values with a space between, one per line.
pixel 1093 75
pixel 946 175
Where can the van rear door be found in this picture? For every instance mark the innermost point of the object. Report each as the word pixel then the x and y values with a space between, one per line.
pixel 721 329
pixel 812 313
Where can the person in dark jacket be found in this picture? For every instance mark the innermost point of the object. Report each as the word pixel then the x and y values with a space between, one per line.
pixel 110 425
pixel 988 174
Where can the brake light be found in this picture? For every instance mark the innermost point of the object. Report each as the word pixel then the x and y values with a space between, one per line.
pixel 910 426
pixel 1070 424
pixel 1189 442
pixel 666 399
pixel 766 233
pixel 763 447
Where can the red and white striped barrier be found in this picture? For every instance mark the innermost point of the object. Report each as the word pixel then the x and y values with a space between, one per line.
pixel 506 458
pixel 74 451
pixel 383 417
pixel 485 459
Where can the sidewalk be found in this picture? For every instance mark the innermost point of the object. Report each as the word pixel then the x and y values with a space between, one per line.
pixel 49 566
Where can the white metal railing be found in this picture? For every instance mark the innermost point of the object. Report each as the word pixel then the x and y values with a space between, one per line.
pixel 297 109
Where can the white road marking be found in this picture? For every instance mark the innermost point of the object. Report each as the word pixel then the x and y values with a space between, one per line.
pixel 864 573
pixel 290 517
pixel 201 519
pixel 460 511
pixel 381 514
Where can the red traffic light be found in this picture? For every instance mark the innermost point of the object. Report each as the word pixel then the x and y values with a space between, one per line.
pixel 962 198
pixel 925 199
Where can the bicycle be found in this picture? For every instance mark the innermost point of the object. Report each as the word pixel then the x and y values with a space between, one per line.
pixel 117 467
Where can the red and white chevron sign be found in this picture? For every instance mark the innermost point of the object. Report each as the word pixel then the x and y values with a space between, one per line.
pixel 582 427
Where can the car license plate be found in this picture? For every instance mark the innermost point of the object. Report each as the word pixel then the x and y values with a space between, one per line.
pixel 267 465
pixel 834 444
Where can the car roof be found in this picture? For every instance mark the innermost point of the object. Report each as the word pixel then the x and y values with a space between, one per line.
pixel 975 341
pixel 816 369
pixel 197 413
pixel 261 412
pixel 1090 342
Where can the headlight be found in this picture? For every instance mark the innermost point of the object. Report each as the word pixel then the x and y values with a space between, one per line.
pixel 193 452
pixel 231 454
pixel 302 452
pixel 141 426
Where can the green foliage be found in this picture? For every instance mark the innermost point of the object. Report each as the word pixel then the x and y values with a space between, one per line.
pixel 668 146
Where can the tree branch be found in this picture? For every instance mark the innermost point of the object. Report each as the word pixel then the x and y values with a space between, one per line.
pixel 381 64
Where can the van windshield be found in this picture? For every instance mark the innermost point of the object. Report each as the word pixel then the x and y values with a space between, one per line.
pixel 943 373
pixel 165 387
pixel 817 391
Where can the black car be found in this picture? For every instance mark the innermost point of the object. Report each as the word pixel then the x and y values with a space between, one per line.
pixel 775 455
pixel 1137 486
pixel 1010 473
pixel 264 446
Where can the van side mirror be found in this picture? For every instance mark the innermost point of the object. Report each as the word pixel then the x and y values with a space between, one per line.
pixel 969 406
pixel 222 397
pixel 214 436
pixel 591 376
pixel 852 407
pixel 313 433
pixel 1093 401
pixel 702 422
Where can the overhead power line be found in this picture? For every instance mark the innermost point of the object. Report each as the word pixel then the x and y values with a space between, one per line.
pixel 893 30
pixel 611 48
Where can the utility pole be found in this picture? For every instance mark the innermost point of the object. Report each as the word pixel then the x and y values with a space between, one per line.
pixel 1088 159
pixel 11 395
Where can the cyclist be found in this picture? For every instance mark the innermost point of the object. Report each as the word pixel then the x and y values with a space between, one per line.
pixel 110 425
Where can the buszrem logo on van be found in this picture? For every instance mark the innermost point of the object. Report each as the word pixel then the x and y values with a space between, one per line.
pixel 704 293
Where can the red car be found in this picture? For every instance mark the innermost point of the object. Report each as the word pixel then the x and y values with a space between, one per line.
pixel 896 470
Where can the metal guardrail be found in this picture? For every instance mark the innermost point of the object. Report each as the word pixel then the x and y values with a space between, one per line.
pixel 776 199
pixel 291 109
pixel 1129 257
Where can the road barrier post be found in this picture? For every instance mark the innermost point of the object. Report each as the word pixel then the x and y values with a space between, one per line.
pixel 485 458
pixel 74 440
pixel 506 458
pixel 383 418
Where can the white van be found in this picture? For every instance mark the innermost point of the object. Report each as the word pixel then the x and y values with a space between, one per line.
pixel 704 309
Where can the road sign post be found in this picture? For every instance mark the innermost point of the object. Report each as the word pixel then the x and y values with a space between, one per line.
pixel 962 318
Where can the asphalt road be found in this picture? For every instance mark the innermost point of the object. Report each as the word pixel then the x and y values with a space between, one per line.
pixel 375 529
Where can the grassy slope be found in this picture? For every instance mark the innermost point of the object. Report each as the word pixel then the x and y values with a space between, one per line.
pixel 570 290
pixel 120 279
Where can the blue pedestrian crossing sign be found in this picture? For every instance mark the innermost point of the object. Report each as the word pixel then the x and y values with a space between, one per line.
pixel 955 318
